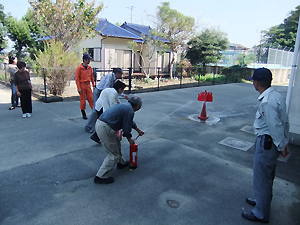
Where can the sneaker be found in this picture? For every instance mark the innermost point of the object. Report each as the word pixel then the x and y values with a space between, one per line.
pixel 95 138
pixel 11 108
pixel 98 180
pixel 28 114
pixel 24 115
pixel 88 130
pixel 122 166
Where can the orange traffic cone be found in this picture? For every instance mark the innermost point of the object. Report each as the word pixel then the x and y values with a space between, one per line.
pixel 203 113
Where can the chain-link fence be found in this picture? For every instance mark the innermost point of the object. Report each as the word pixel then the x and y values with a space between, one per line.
pixel 280 57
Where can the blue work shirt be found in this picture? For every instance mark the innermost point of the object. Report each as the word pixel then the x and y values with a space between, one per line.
pixel 107 81
pixel 271 118
pixel 120 117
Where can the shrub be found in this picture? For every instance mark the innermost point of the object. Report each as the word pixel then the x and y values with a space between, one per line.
pixel 59 66
pixel 236 73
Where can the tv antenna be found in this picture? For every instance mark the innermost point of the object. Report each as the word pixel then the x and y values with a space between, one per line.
pixel 131 9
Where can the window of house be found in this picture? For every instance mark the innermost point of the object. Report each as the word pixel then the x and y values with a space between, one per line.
pixel 95 53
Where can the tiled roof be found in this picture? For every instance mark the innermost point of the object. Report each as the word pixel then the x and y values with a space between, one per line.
pixel 137 28
pixel 108 29
pixel 140 30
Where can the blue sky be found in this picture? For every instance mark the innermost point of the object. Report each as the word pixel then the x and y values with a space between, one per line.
pixel 241 20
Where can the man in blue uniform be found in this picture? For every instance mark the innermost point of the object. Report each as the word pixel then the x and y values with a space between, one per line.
pixel 271 128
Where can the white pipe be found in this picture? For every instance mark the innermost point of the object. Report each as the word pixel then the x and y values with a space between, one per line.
pixel 294 65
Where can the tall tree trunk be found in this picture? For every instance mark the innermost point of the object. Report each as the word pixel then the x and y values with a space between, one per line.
pixel 171 65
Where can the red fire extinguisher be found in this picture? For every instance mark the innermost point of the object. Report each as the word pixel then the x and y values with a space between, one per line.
pixel 133 156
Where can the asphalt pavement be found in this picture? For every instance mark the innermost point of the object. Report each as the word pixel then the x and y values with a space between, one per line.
pixel 185 174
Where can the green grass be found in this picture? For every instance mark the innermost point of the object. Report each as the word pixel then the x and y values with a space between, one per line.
pixel 211 78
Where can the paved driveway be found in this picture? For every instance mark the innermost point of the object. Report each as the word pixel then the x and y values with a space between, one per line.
pixel 184 175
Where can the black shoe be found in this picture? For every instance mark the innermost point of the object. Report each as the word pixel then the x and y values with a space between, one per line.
pixel 98 180
pixel 250 216
pixel 251 201
pixel 11 108
pixel 84 115
pixel 95 138
pixel 122 166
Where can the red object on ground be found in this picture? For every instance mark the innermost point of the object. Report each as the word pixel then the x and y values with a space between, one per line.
pixel 206 97
pixel 133 156
pixel 203 113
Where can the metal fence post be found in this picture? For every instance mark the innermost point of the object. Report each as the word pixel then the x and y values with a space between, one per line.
pixel 5 72
pixel 181 77
pixel 199 72
pixel 95 75
pixel 158 78
pixel 129 77
pixel 45 86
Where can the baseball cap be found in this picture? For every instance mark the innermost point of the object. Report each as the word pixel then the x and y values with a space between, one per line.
pixel 86 56
pixel 261 74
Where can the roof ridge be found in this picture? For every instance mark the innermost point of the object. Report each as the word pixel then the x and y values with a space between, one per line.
pixel 109 25
pixel 136 24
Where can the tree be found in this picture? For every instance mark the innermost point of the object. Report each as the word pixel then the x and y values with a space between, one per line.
pixel 3 42
pixel 205 48
pixel 175 27
pixel 59 65
pixel 66 21
pixel 154 44
pixel 19 32
pixel 284 34
pixel 35 33
pixel 244 59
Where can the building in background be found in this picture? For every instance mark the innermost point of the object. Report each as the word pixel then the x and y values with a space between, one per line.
pixel 110 48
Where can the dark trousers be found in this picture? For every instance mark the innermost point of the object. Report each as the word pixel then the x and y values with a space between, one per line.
pixel 95 135
pixel 26 102
pixel 263 177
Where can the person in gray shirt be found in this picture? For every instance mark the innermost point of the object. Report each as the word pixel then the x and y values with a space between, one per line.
pixel 113 119
pixel 271 127
pixel 106 82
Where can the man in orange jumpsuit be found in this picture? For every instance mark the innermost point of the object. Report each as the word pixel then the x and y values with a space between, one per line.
pixel 83 78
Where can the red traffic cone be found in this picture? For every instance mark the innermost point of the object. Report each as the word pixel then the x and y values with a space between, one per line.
pixel 203 113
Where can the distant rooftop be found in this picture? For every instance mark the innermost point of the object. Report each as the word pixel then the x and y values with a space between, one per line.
pixel 108 29
pixel 239 47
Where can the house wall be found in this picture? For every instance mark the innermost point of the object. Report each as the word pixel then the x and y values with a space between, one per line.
pixel 156 60
pixel 91 43
pixel 114 52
